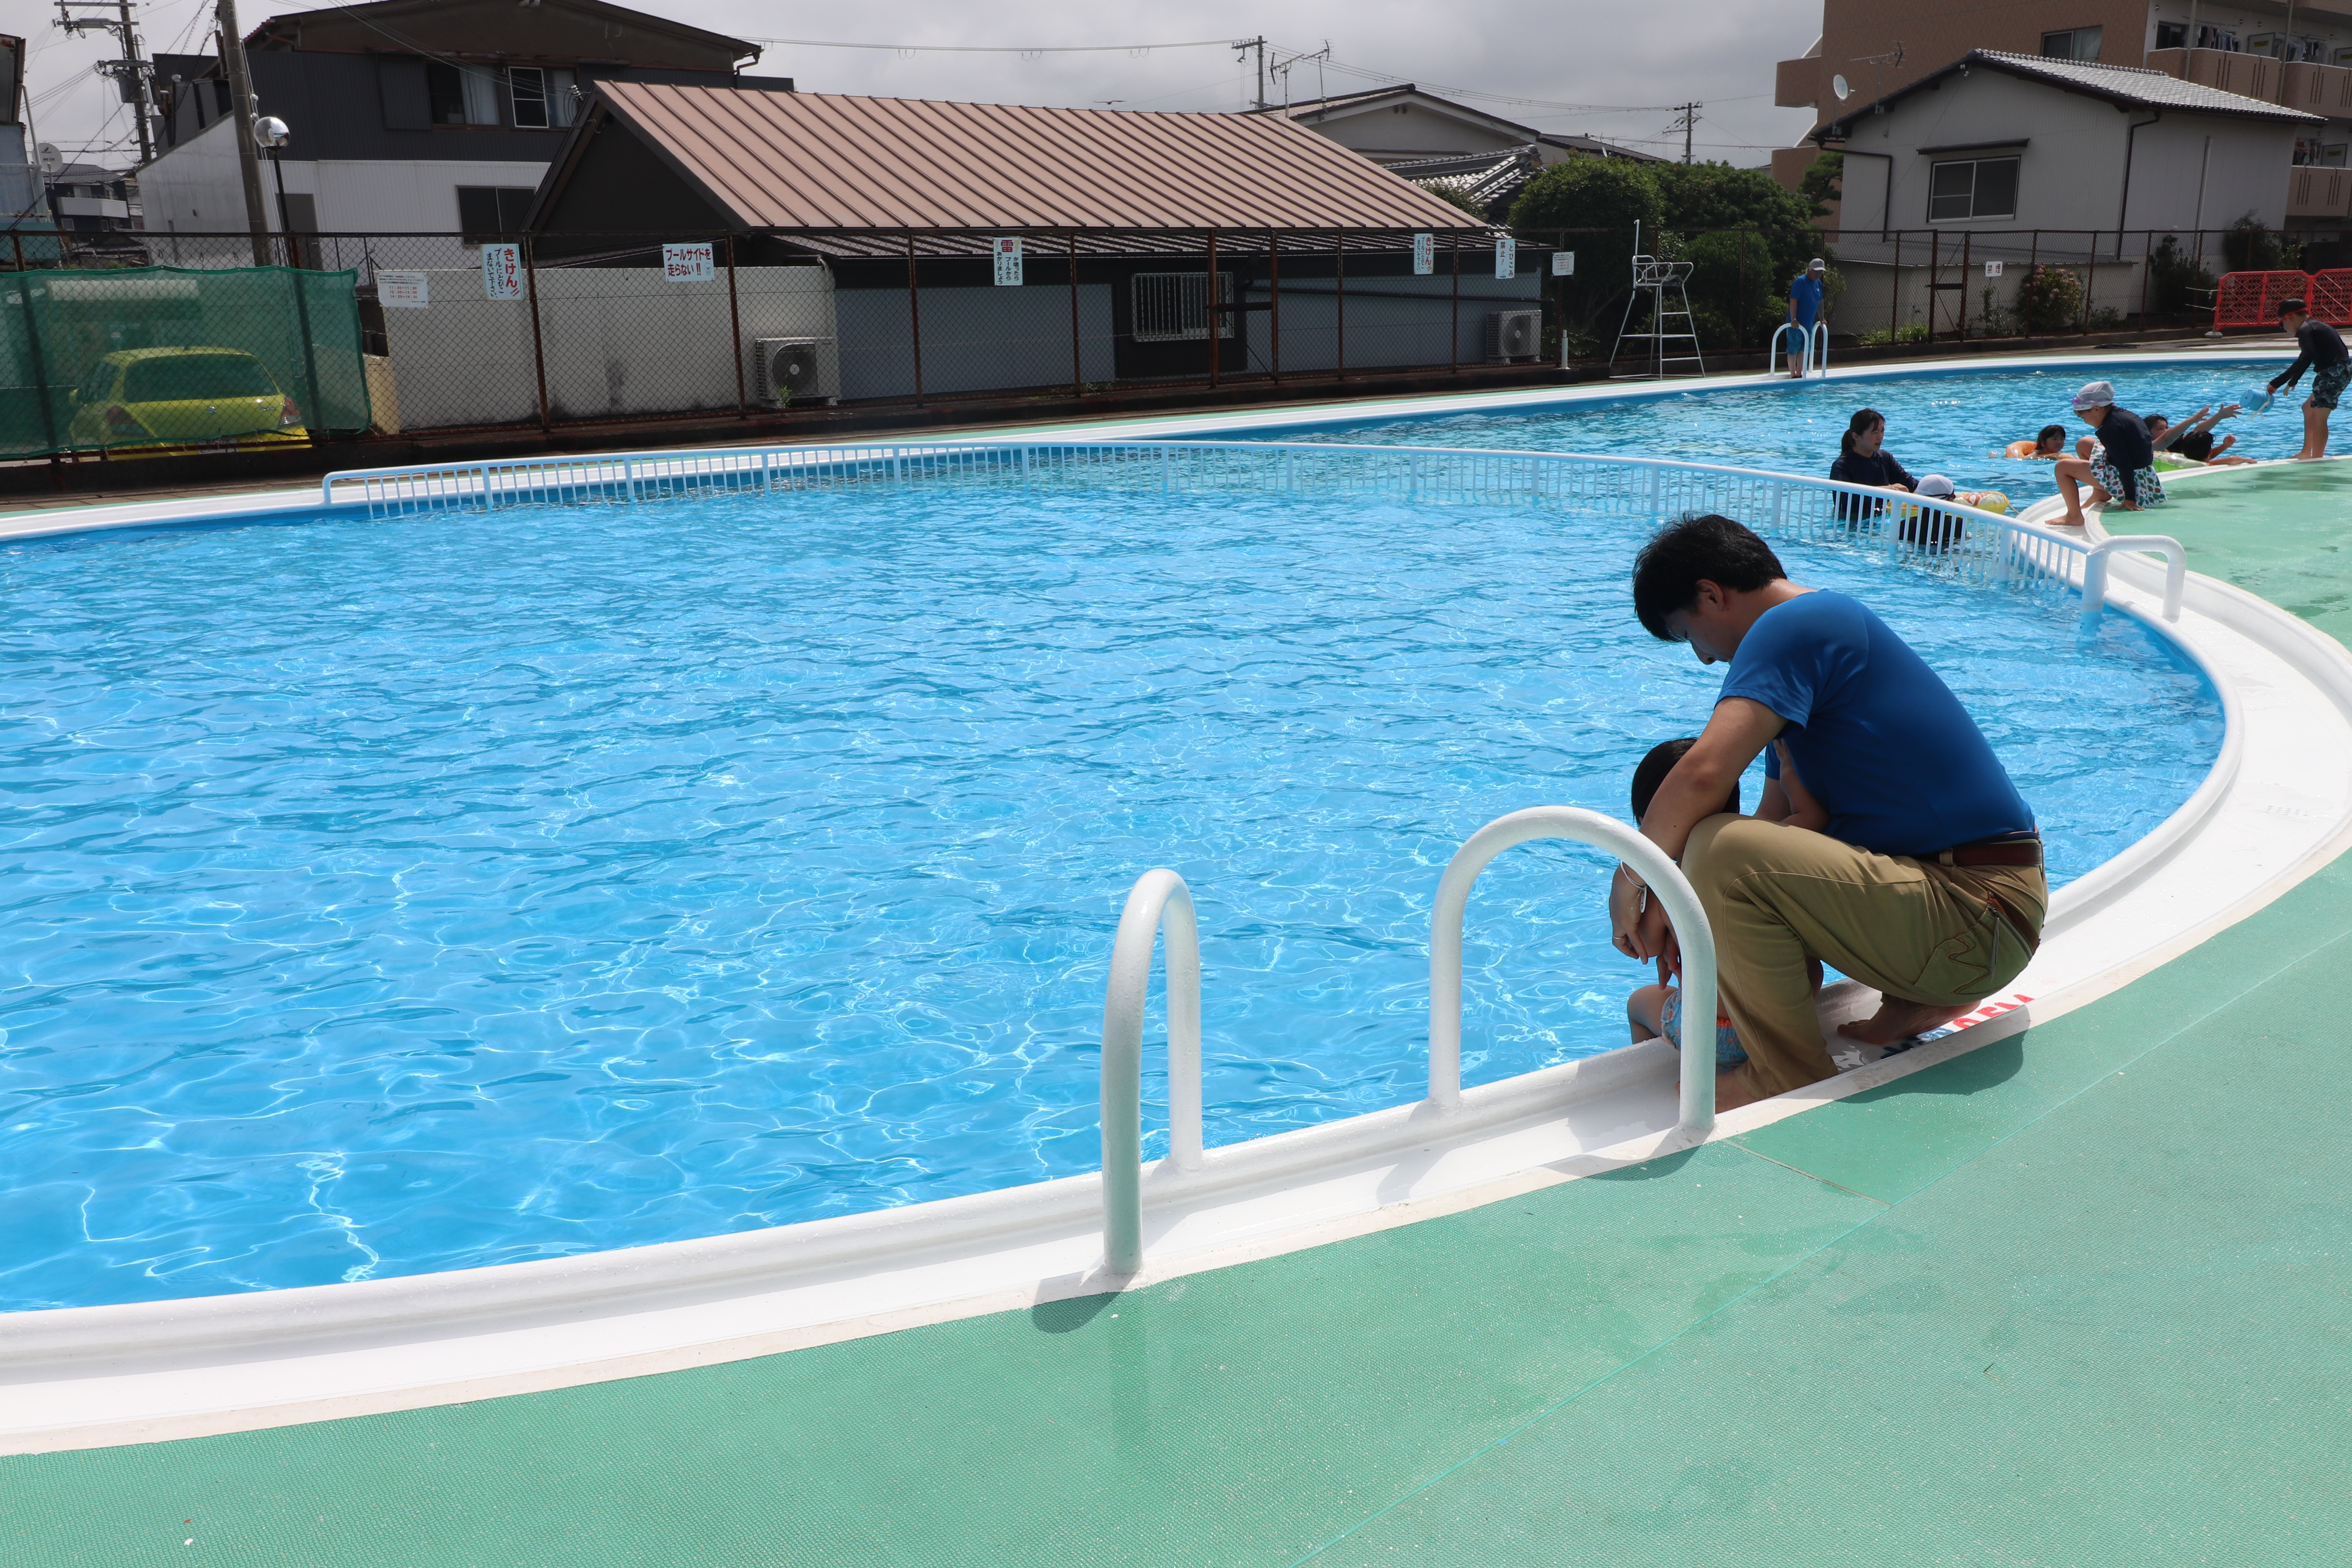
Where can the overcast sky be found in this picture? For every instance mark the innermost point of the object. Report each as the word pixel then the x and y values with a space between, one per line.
pixel 1608 71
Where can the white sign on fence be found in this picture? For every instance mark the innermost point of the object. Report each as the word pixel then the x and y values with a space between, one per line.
pixel 1563 264
pixel 1507 256
pixel 1424 255
pixel 1007 251
pixel 689 263
pixel 402 290
pixel 502 271
pixel 1992 268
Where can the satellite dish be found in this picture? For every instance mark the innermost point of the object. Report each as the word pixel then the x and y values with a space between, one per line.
pixel 51 158
pixel 1837 85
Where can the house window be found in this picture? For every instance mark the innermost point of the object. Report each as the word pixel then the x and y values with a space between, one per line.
pixel 461 95
pixel 1170 307
pixel 544 97
pixel 2079 44
pixel 1972 187
pixel 2172 34
pixel 488 212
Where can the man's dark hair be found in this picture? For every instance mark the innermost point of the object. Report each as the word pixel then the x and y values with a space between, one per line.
pixel 2197 447
pixel 1657 766
pixel 2294 307
pixel 1713 548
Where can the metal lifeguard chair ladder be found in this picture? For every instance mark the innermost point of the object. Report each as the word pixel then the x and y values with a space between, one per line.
pixel 1655 278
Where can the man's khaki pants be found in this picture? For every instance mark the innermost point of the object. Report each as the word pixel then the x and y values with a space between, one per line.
pixel 1924 933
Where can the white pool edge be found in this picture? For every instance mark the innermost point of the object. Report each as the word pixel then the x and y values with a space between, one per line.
pixel 92 1376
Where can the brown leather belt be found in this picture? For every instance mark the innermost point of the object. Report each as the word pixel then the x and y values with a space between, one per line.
pixel 1991 852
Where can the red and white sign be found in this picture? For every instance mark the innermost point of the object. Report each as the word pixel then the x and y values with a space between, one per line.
pixel 1424 255
pixel 1007 251
pixel 502 271
pixel 402 290
pixel 689 263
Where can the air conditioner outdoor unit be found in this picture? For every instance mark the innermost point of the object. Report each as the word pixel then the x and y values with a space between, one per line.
pixel 1513 335
pixel 787 370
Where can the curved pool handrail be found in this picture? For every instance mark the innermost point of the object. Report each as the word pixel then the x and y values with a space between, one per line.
pixel 1815 339
pixel 2176 569
pixel 1160 899
pixel 1666 881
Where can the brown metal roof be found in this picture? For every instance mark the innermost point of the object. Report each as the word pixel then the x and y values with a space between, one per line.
pixel 825 160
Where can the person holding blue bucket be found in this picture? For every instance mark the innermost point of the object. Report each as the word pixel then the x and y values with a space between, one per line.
pixel 1804 309
pixel 2322 352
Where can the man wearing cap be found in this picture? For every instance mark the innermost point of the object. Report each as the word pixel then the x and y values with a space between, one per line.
pixel 2322 352
pixel 1804 309
pixel 2121 469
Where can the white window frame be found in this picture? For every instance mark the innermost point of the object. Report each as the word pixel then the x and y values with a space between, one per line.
pixel 1173 307
pixel 1936 165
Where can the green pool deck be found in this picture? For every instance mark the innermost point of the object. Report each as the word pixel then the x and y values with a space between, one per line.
pixel 2083 1296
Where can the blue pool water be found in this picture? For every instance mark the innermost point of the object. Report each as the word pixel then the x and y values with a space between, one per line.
pixel 403 896
pixel 1955 425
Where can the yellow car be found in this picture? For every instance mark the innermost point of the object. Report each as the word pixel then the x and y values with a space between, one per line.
pixel 182 399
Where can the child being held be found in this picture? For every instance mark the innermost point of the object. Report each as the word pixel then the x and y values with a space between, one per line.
pixel 1655 1010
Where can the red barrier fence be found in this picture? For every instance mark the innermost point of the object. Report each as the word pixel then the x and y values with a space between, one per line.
pixel 2252 299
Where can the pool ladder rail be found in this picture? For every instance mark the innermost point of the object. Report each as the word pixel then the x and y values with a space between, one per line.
pixel 1815 347
pixel 1160 901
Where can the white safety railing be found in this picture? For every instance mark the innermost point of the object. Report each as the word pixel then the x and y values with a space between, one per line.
pixel 1813 343
pixel 1160 899
pixel 2095 569
pixel 1962 543
pixel 1160 902
pixel 1665 881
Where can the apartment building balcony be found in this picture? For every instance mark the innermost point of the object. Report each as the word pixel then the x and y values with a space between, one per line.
pixel 2248 75
pixel 1796 84
pixel 2318 89
pixel 2319 193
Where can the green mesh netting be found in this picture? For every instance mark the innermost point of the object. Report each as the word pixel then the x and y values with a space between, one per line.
pixel 171 356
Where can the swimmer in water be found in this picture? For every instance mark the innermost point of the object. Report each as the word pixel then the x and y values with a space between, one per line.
pixel 2046 448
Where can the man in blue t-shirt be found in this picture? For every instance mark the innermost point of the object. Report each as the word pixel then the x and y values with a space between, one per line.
pixel 1804 309
pixel 1926 884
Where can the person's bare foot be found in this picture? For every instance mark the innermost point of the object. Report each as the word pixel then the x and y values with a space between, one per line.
pixel 1898 1020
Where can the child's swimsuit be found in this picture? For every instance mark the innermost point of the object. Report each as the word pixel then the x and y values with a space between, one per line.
pixel 1728 1051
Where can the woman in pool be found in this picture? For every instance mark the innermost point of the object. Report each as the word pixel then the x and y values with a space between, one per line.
pixel 2046 448
pixel 1862 459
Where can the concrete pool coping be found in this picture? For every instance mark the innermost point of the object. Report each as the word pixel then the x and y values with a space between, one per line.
pixel 98 1375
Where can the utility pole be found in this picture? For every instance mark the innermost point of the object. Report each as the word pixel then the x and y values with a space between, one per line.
pixel 241 106
pixel 1243 46
pixel 129 73
pixel 1689 113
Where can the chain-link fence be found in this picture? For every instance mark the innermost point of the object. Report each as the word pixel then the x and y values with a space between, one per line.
pixel 174 341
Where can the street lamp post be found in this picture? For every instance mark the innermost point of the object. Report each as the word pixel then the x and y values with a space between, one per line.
pixel 271 133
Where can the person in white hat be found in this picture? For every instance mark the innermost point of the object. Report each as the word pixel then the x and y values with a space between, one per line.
pixel 2121 470
pixel 1804 309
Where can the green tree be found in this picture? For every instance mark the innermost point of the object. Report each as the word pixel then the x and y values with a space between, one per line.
pixel 1751 238
pixel 1451 192
pixel 1823 182
pixel 1608 195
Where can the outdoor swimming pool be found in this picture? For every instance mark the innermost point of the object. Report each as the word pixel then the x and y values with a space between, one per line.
pixel 1955 425
pixel 390 897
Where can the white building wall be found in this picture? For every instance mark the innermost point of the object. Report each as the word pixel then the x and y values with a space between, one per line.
pixel 618 341
pixel 2071 171
pixel 195 189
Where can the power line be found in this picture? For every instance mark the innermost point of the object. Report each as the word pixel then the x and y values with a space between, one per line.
pixel 1001 49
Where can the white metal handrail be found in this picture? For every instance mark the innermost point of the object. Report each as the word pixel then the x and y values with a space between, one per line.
pixel 1666 880
pixel 1950 540
pixel 1160 899
pixel 2095 569
pixel 1816 337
